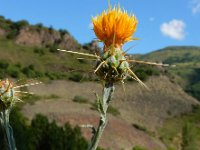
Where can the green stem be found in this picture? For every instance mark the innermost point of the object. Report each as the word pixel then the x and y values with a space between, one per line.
pixel 108 91
pixel 4 119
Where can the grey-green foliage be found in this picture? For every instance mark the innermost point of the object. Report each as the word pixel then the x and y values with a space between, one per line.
pixel 7 129
pixel 102 106
pixel 111 110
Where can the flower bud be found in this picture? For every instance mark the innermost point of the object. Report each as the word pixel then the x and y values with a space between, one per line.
pixel 7 94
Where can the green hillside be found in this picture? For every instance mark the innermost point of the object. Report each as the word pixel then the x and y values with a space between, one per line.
pixel 19 61
pixel 29 51
pixel 186 62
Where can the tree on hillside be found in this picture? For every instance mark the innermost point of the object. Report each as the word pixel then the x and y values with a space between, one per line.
pixel 43 135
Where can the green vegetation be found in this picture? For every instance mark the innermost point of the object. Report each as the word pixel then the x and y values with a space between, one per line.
pixel 15 62
pixel 139 127
pixel 111 110
pixel 12 28
pixel 183 131
pixel 45 63
pixel 77 77
pixel 32 98
pixel 145 71
pixel 189 135
pixel 144 129
pixel 80 99
pixel 187 62
pixel 52 96
pixel 114 111
pixel 42 134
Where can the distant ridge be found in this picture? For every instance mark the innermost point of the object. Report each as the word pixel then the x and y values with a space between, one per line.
pixel 187 62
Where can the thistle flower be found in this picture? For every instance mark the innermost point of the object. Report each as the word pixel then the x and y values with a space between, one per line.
pixel 114 27
pixel 9 95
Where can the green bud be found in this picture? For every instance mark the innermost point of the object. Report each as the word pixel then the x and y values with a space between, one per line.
pixel 7 94
pixel 114 67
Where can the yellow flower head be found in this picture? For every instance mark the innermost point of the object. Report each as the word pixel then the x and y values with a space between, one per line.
pixel 114 26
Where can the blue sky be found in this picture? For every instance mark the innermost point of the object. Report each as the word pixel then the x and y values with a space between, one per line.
pixel 161 22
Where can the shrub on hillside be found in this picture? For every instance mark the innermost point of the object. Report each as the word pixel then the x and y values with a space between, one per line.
pixel 39 26
pixel 14 28
pixel 80 99
pixel 12 34
pixel 13 71
pixel 39 51
pixel 194 90
pixel 143 72
pixel 77 77
pixel 3 64
pixel 63 32
pixel 20 24
pixel 139 127
pixel 29 71
pixel 53 48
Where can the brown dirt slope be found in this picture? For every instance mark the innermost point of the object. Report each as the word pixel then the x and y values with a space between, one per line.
pixel 148 109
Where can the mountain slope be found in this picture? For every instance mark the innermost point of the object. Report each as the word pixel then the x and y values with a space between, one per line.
pixel 21 32
pixel 30 51
pixel 141 111
pixel 187 66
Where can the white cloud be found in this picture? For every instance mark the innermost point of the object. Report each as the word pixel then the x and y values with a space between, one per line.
pixel 174 29
pixel 195 6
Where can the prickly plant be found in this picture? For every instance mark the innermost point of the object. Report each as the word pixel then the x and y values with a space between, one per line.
pixel 9 96
pixel 114 27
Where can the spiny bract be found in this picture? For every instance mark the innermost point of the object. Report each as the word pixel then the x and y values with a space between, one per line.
pixel 7 94
pixel 112 66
